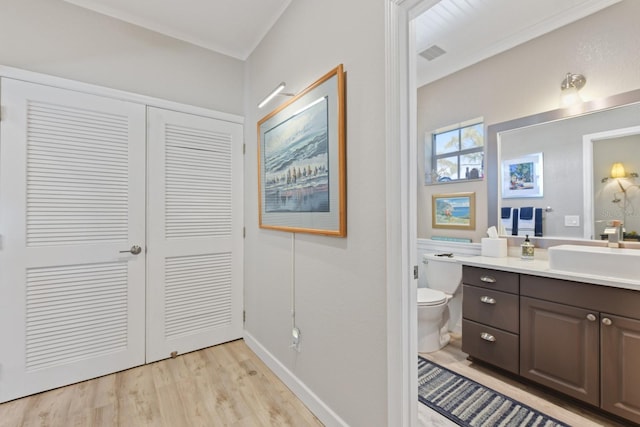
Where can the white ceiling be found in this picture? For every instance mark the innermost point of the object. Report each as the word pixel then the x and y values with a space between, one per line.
pixel 468 30
pixel 472 30
pixel 230 27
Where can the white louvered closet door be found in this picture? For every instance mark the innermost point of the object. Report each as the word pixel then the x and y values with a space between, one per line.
pixel 71 198
pixel 194 262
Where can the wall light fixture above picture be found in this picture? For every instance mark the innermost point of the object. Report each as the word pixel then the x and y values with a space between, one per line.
pixel 277 91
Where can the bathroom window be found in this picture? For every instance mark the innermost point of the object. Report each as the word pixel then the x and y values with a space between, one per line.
pixel 455 153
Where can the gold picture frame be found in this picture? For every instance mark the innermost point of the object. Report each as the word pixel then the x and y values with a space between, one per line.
pixel 454 211
pixel 302 161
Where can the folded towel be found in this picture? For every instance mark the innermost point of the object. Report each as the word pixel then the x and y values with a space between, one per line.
pixel 509 220
pixel 526 221
pixel 538 221
pixel 526 213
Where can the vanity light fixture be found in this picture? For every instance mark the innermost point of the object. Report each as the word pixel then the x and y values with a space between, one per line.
pixel 569 87
pixel 273 93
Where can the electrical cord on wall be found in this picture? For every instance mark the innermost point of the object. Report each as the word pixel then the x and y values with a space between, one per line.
pixel 295 332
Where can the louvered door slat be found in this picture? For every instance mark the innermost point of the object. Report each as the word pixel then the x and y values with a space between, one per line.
pixel 195 208
pixel 99 152
pixel 71 197
pixel 195 156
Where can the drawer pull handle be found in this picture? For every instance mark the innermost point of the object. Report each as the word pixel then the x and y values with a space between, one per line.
pixel 606 321
pixel 488 300
pixel 487 337
pixel 488 279
pixel 591 317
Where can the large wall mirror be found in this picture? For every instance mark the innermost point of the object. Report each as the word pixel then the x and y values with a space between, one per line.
pixel 560 164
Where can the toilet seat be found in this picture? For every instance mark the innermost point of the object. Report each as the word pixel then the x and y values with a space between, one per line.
pixel 430 297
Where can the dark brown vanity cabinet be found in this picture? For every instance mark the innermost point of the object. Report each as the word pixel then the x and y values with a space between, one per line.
pixel 559 348
pixel 490 321
pixel 580 339
pixel 620 366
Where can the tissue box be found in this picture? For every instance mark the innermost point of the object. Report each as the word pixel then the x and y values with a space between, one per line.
pixel 494 247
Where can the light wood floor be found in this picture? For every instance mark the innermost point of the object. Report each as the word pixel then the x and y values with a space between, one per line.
pixel 225 385
pixel 454 359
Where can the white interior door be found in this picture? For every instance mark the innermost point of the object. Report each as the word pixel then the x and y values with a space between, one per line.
pixel 194 231
pixel 72 188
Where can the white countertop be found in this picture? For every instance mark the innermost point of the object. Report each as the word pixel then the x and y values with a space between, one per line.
pixel 540 267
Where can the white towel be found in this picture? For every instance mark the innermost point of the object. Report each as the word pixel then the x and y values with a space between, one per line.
pixel 527 226
pixel 507 222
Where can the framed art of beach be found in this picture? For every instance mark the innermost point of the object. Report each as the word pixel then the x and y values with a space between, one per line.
pixel 455 211
pixel 301 161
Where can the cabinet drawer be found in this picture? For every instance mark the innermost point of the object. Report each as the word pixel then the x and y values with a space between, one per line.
pixel 491 345
pixel 493 308
pixel 493 279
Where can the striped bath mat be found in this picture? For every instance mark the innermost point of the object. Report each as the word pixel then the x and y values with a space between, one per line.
pixel 468 403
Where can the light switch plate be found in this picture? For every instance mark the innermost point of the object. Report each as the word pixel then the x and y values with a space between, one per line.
pixel 572 220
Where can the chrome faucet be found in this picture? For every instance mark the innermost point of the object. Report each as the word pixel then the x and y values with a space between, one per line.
pixel 614 234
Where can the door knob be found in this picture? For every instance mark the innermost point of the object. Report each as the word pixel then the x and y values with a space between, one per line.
pixel 606 321
pixel 135 249
pixel 591 317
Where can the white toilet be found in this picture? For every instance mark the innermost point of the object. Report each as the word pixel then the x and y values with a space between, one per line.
pixel 444 276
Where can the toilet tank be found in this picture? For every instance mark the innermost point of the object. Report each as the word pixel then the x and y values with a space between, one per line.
pixel 443 273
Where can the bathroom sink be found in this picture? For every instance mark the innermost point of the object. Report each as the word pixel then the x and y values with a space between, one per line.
pixel 620 263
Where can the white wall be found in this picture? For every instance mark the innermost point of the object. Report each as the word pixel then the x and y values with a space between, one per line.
pixel 524 81
pixel 340 282
pixel 57 38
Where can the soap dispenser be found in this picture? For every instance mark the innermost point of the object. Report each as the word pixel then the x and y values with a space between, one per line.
pixel 527 249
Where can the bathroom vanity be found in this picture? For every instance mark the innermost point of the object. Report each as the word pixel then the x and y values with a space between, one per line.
pixel 577 334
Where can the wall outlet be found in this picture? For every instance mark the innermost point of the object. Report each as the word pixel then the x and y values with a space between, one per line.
pixel 572 220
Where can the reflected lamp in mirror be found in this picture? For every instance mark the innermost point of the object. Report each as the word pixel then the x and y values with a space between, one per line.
pixel 621 199
pixel 569 87
pixel 617 171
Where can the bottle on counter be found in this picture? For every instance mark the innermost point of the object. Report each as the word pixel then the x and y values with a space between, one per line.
pixel 527 249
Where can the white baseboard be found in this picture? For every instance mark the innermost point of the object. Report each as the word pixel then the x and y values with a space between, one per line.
pixel 320 409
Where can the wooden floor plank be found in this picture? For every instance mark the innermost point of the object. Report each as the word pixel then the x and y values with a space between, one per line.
pixel 224 385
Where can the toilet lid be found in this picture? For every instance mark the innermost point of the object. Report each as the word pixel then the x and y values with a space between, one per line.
pixel 428 296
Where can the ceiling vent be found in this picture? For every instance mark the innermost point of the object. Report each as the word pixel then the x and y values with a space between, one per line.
pixel 432 52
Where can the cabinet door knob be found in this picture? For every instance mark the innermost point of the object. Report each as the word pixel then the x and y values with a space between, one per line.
pixel 487 337
pixel 606 321
pixel 488 279
pixel 488 300
pixel 591 317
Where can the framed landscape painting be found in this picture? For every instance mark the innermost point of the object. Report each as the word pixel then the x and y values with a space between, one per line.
pixel 522 177
pixel 301 161
pixel 455 211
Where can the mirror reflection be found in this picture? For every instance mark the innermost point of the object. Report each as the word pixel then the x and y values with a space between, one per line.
pixel 551 175
pixel 614 183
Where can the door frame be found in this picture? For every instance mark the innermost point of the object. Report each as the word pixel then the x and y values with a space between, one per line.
pixel 62 83
pixel 401 214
